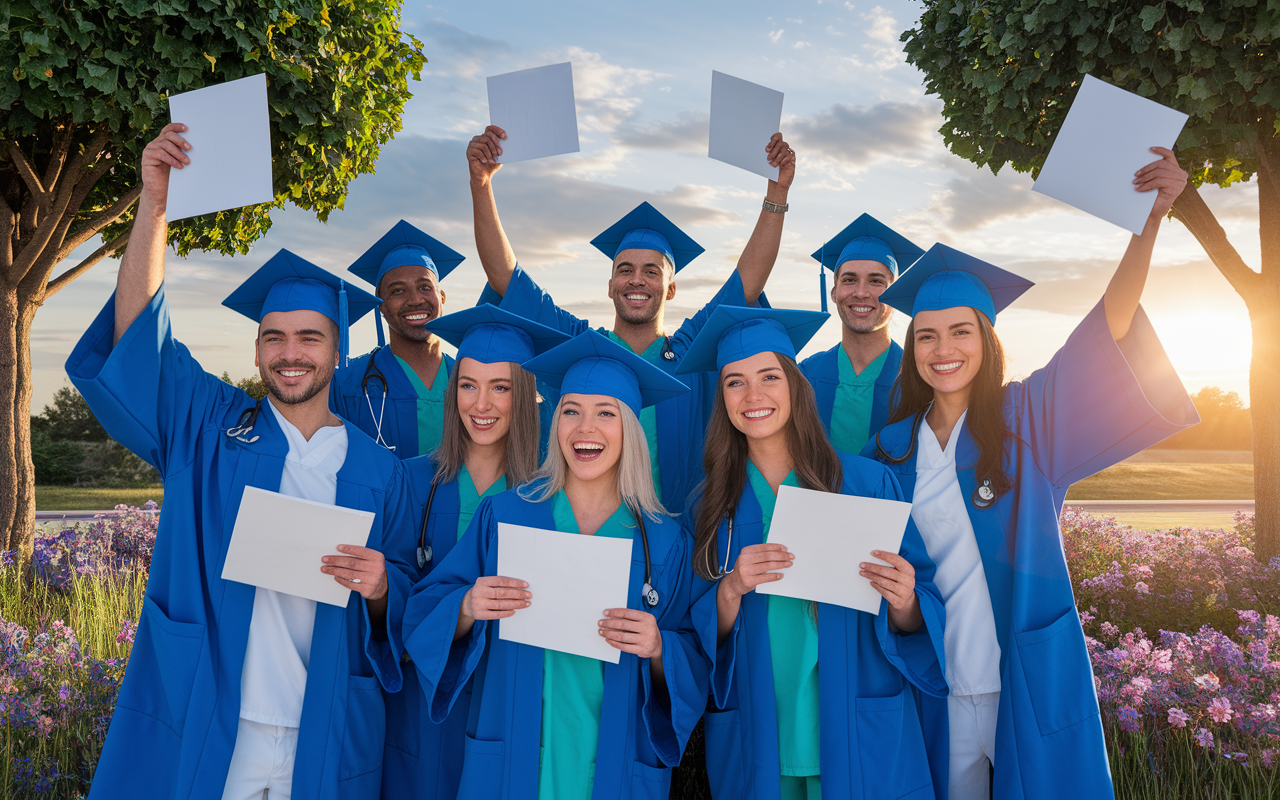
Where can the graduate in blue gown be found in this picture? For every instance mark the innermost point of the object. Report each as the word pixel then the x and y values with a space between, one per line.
pixel 646 251
pixel 811 700
pixel 211 655
pixel 395 393
pixel 852 381
pixel 490 444
pixel 546 724
pixel 987 491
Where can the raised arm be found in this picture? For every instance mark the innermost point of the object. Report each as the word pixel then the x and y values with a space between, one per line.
pixel 756 261
pixel 1125 290
pixel 496 255
pixel 142 268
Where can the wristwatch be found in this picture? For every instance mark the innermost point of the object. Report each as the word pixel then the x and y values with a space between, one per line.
pixel 777 208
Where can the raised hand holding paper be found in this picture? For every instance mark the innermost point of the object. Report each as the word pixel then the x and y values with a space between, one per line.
pixel 230 149
pixel 830 535
pixel 536 109
pixel 743 117
pixel 1107 137
pixel 573 579
pixel 278 541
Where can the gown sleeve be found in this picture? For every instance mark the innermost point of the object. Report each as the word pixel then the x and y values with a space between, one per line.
pixel 527 299
pixel 704 617
pixel 919 656
pixel 431 617
pixel 1099 401
pixel 685 663
pixel 384 644
pixel 147 390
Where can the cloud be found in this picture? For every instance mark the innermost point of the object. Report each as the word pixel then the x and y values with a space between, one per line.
pixel 860 135
pixel 979 199
pixel 774 36
pixel 604 92
pixel 688 134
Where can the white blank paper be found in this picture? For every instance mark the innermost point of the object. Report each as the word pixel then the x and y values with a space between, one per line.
pixel 830 535
pixel 573 579
pixel 230 148
pixel 278 541
pixel 1107 136
pixel 535 107
pixel 743 117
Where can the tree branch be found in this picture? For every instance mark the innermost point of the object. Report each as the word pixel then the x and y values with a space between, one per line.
pixel 59 283
pixel 90 229
pixel 1192 211
pixel 59 155
pixel 29 175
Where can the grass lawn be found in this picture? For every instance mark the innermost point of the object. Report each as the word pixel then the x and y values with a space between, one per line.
pixel 1152 481
pixel 73 498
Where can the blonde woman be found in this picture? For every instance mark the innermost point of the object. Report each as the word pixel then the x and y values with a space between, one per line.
pixel 546 724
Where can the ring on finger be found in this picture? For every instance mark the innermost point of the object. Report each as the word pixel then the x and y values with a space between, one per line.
pixel 355 580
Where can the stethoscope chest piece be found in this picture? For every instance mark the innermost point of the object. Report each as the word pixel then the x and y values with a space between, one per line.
pixel 424 556
pixel 984 495
pixel 650 595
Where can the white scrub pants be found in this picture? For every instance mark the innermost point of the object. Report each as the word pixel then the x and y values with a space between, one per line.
pixel 973 744
pixel 262 762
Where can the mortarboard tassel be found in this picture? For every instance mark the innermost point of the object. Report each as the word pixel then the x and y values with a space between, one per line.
pixel 344 335
pixel 822 285
pixel 377 323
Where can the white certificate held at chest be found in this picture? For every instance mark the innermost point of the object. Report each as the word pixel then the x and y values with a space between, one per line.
pixel 573 579
pixel 830 535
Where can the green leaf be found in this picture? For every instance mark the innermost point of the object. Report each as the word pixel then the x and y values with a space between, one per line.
pixel 1150 16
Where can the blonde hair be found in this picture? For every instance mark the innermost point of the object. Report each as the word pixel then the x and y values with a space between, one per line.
pixel 635 469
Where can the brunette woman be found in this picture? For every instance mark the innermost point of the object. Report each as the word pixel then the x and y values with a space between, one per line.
pixel 547 724
pixel 987 465
pixel 814 700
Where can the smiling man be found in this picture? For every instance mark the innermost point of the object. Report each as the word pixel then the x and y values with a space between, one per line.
pixel 395 393
pixel 234 691
pixel 647 251
pixel 853 381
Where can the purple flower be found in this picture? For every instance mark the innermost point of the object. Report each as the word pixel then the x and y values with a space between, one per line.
pixel 1178 718
pixel 1129 719
pixel 1204 738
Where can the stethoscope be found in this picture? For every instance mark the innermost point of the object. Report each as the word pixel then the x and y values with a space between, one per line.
pixel 983 495
pixel 371 371
pixel 243 426
pixel 725 569
pixel 648 593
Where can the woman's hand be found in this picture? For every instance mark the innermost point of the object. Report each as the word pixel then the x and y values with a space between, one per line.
pixel 632 631
pixel 495 597
pixel 755 566
pixel 897 583
pixel 483 152
pixel 1165 176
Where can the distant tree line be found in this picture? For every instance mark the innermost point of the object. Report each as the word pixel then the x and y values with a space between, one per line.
pixel 1224 424
pixel 70 448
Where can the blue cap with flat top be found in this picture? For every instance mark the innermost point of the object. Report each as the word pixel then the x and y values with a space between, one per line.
pixel 733 333
pixel 288 282
pixel 946 278
pixel 865 239
pixel 591 364
pixel 491 335
pixel 645 228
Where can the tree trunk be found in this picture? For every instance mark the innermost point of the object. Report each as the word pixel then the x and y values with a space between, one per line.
pixel 1264 368
pixel 17 509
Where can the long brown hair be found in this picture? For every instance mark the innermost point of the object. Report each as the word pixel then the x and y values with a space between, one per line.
pixel 522 436
pixel 724 458
pixel 985 418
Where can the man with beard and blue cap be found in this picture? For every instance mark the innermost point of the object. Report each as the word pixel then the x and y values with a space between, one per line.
pixel 853 380
pixel 235 691
pixel 647 251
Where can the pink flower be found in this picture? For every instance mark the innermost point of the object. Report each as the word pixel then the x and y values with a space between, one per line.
pixel 1141 588
pixel 1204 738
pixel 1268 758
pixel 1220 710
pixel 1162 661
pixel 1209 681
pixel 1178 718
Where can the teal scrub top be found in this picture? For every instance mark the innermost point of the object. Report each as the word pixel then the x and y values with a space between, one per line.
pixel 430 405
pixel 649 414
pixel 469 500
pixel 793 645
pixel 851 410
pixel 573 691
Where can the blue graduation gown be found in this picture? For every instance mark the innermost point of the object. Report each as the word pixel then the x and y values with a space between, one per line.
pixel 400 419
pixel 871 744
pixel 640 736
pixel 424 759
pixel 823 371
pixel 1095 404
pixel 179 704
pixel 682 420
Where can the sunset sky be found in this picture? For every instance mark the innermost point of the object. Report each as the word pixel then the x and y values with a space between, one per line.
pixel 866 137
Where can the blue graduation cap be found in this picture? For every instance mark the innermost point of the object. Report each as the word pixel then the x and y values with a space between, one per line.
pixel 733 333
pixel 404 245
pixel 865 239
pixel 945 278
pixel 491 335
pixel 288 282
pixel 591 364
pixel 647 229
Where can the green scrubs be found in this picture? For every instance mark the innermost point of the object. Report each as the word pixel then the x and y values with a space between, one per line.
pixel 573 691
pixel 648 414
pixel 851 411
pixel 469 500
pixel 430 405
pixel 793 645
